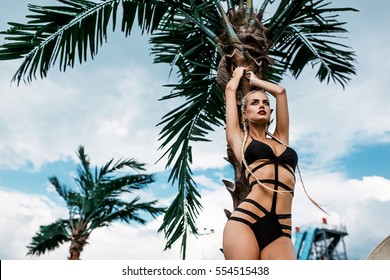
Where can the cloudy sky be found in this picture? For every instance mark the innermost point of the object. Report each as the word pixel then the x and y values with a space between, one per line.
pixel 110 105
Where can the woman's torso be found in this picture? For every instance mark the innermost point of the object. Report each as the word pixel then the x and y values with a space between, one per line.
pixel 273 169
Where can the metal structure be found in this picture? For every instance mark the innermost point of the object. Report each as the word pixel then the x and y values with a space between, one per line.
pixel 320 242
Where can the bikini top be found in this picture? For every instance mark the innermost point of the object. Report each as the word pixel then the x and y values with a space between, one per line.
pixel 258 150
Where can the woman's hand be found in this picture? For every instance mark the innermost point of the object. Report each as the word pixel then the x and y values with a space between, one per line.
pixel 250 76
pixel 273 89
pixel 232 85
pixel 238 72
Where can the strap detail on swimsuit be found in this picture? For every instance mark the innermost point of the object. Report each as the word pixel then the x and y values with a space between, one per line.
pixel 287 167
pixel 275 182
pixel 261 165
pixel 257 205
pixel 284 216
pixel 271 181
pixel 249 213
pixel 242 220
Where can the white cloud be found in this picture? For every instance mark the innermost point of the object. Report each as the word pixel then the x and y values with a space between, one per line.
pixel 328 123
pixel 367 226
pixel 362 205
pixel 206 182
pixel 346 200
pixel 22 214
pixel 50 119
pixel 26 212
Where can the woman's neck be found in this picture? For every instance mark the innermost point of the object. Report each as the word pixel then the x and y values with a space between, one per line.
pixel 258 131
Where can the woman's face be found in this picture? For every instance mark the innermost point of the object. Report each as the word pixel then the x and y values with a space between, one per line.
pixel 258 108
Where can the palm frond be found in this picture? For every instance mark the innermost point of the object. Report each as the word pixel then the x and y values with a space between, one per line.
pixel 181 43
pixel 74 200
pixel 49 237
pixel 84 174
pixel 307 32
pixel 103 191
pixel 109 168
pixel 70 32
pixel 127 183
pixel 64 32
pixel 128 212
pixel 112 189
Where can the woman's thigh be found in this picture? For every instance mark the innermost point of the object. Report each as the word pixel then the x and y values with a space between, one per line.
pixel 239 242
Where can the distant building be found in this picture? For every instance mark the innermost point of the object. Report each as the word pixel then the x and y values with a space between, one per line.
pixel 320 241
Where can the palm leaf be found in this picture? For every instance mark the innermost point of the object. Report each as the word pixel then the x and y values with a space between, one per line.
pixel 307 32
pixel 118 210
pixel 103 192
pixel 74 200
pixel 188 45
pixel 49 237
pixel 71 32
pixel 111 190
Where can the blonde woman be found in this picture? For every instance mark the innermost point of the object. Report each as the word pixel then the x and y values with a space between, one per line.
pixel 260 227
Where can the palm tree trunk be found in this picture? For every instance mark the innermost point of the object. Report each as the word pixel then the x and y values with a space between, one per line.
pixel 78 241
pixel 241 26
pixel 74 254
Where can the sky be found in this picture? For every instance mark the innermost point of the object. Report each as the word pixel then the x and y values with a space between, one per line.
pixel 111 106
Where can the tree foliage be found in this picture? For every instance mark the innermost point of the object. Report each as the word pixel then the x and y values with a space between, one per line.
pixel 101 197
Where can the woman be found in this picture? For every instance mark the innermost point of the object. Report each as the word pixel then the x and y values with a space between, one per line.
pixel 260 227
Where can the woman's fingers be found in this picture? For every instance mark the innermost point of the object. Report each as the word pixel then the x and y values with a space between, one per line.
pixel 249 75
pixel 238 71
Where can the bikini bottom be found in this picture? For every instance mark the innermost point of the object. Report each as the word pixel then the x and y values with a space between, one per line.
pixel 267 228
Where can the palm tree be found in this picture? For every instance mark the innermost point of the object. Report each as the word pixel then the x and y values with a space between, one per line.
pixel 99 200
pixel 201 38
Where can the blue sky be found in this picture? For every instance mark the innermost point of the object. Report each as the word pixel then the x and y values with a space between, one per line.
pixel 110 105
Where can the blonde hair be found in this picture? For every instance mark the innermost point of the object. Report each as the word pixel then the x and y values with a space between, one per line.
pixel 245 126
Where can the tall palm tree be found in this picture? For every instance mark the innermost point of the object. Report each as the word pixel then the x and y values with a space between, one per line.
pixel 201 38
pixel 99 200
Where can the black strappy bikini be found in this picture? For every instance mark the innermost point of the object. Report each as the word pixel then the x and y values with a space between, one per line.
pixel 268 228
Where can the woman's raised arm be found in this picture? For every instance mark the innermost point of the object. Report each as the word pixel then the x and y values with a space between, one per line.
pixel 233 130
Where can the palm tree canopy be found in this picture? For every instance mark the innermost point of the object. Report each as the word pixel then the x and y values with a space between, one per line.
pixel 183 34
pixel 102 196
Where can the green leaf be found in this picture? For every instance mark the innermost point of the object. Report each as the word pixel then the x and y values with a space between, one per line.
pixel 301 31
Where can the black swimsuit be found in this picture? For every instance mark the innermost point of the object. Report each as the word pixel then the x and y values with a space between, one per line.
pixel 268 228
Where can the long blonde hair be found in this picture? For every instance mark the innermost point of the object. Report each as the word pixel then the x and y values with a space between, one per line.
pixel 245 127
